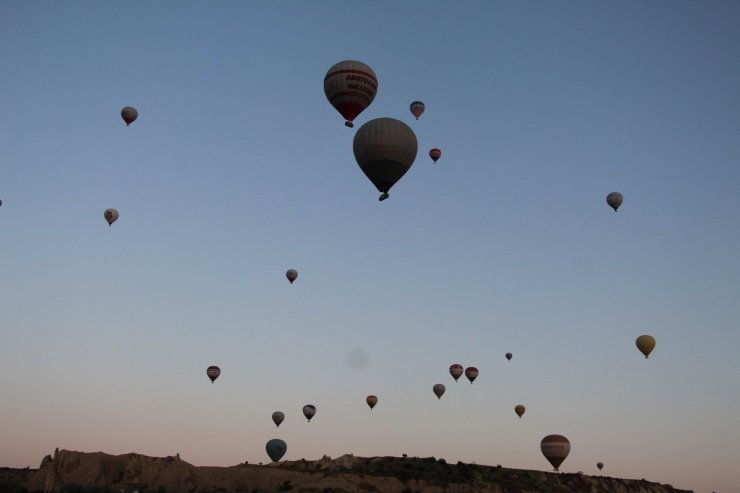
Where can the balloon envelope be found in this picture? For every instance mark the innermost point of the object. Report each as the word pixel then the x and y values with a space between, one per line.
pixel 435 154
pixel 276 449
pixel 385 149
pixel 417 108
pixel 614 200
pixel 213 372
pixel 371 401
pixel 456 371
pixel 308 411
pixel 129 114
pixel 438 390
pixel 472 373
pixel 278 417
pixel 555 448
pixel 350 86
pixel 519 410
pixel 508 356
pixel 645 344
pixel 600 465
pixel 292 275
pixel 110 215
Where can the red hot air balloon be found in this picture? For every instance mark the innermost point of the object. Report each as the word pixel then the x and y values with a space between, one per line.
pixel 417 108
pixel 350 86
pixel 555 448
pixel 435 154
pixel 456 371
pixel 129 114
pixel 472 373
pixel 213 372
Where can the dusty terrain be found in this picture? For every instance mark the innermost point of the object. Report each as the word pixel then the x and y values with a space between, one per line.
pixel 69 471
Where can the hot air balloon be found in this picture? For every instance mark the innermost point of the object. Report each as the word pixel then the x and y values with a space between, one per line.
pixel 350 87
pixel 1 202
pixel 519 410
pixel 308 411
pixel 385 149
pixel 278 417
pixel 614 200
pixel 456 371
pixel 110 215
pixel 555 448
pixel 472 373
pixel 213 372
pixel 435 154
pixel 438 390
pixel 292 275
pixel 645 344
pixel 600 465
pixel 276 449
pixel 371 401
pixel 508 356
pixel 417 108
pixel 129 114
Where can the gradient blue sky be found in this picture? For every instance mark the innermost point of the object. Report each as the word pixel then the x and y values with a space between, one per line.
pixel 238 169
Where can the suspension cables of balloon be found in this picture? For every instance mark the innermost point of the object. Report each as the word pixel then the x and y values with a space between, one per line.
pixel 350 86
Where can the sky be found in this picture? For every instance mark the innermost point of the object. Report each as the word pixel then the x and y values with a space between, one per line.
pixel 238 169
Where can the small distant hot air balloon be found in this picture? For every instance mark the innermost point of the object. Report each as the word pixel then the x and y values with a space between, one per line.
pixel 278 417
pixel 417 108
pixel 600 465
pixel 350 86
pixel 308 411
pixel 472 373
pixel 292 275
pixel 555 448
pixel 276 449
pixel 456 371
pixel 508 356
pixel 438 390
pixel 213 372
pixel 645 344
pixel 519 410
pixel 1 202
pixel 385 149
pixel 614 200
pixel 129 114
pixel 371 401
pixel 435 154
pixel 110 215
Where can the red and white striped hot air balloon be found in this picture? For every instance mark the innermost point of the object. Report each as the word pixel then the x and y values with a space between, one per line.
pixel 555 448
pixel 350 86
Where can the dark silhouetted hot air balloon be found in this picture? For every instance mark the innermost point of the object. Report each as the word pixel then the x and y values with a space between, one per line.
pixel 385 149
pixel 456 371
pixel 438 390
pixel 350 86
pixel 417 108
pixel 308 411
pixel 600 465
pixel 555 448
pixel 614 200
pixel 1 202
pixel 213 372
pixel 278 417
pixel 371 401
pixel 435 154
pixel 129 115
pixel 472 373
pixel 519 410
pixel 509 356
pixel 292 275
pixel 276 449
pixel 645 344
pixel 110 215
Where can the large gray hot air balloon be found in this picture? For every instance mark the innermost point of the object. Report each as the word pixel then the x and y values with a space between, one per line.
pixel 292 275
pixel 276 449
pixel 645 344
pixel 555 448
pixel 278 417
pixel 308 411
pixel 614 200
pixel 385 149
pixel 110 215
pixel 350 86
pixel 438 390
pixel 213 372
pixel 129 114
